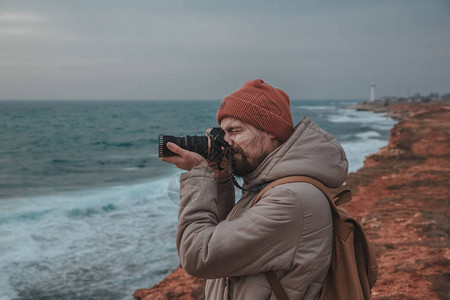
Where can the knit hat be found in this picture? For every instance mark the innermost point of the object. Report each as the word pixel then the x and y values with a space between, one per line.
pixel 261 105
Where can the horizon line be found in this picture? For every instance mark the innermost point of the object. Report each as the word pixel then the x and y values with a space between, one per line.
pixel 149 100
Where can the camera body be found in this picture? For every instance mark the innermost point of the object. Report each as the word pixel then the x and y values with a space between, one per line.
pixel 212 146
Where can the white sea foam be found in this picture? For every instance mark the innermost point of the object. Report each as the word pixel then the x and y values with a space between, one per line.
pixel 384 125
pixel 367 135
pixel 363 143
pixel 313 107
pixel 113 237
pixel 353 116
pixel 357 151
pixel 347 103
pixel 131 169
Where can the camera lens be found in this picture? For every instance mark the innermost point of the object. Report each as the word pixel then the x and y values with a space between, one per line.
pixel 162 144
pixel 198 144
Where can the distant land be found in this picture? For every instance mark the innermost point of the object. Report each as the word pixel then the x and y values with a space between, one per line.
pixel 383 104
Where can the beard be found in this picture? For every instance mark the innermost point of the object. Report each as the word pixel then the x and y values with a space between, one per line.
pixel 242 164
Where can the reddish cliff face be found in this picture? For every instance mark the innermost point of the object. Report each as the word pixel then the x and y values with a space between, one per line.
pixel 177 285
pixel 401 196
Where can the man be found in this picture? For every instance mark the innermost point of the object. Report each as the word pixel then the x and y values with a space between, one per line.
pixel 288 231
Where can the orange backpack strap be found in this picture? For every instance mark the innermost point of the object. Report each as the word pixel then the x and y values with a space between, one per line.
pixel 278 290
pixel 291 179
pixel 276 286
pixel 342 197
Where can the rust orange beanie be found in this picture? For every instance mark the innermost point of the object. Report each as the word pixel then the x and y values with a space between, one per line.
pixel 261 105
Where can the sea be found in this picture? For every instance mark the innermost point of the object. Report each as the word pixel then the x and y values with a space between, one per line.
pixel 89 211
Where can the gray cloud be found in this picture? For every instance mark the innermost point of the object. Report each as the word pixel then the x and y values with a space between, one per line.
pixel 207 49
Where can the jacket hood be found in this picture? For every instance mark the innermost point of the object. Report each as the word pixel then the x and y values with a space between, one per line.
pixel 309 151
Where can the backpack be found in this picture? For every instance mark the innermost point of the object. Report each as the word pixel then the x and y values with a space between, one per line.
pixel 354 269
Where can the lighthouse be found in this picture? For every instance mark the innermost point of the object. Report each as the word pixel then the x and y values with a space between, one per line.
pixel 372 92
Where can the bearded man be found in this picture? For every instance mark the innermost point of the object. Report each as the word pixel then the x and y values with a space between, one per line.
pixel 289 231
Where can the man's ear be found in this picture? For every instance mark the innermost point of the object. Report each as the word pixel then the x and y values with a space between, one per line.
pixel 274 140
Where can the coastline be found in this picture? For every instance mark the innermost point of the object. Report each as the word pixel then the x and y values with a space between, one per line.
pixel 401 198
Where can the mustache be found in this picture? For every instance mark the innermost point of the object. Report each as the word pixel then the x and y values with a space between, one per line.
pixel 236 150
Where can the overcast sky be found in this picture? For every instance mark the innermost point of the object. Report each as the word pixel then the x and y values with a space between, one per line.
pixel 206 49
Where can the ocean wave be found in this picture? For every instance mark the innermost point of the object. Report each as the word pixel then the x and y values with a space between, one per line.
pixel 357 151
pixel 30 216
pixel 90 211
pixel 350 116
pixel 368 135
pixel 362 136
pixel 109 144
pixel 386 126
pixel 314 107
pixel 127 144
pixel 88 236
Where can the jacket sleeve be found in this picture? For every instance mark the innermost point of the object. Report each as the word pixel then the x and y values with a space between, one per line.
pixel 263 238
pixel 225 197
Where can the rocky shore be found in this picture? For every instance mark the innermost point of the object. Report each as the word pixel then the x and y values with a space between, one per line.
pixel 401 196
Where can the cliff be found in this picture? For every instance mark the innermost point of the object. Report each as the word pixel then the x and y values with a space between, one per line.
pixel 401 196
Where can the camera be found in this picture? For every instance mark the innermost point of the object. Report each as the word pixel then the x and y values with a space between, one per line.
pixel 212 146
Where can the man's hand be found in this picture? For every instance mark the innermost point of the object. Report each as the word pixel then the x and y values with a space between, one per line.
pixel 186 160
pixel 225 172
pixel 224 165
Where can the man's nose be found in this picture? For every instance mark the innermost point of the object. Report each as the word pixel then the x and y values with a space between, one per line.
pixel 228 139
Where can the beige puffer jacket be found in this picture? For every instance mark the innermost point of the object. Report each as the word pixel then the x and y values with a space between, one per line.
pixel 289 230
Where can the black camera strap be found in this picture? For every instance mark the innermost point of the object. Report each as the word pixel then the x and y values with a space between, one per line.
pixel 254 189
